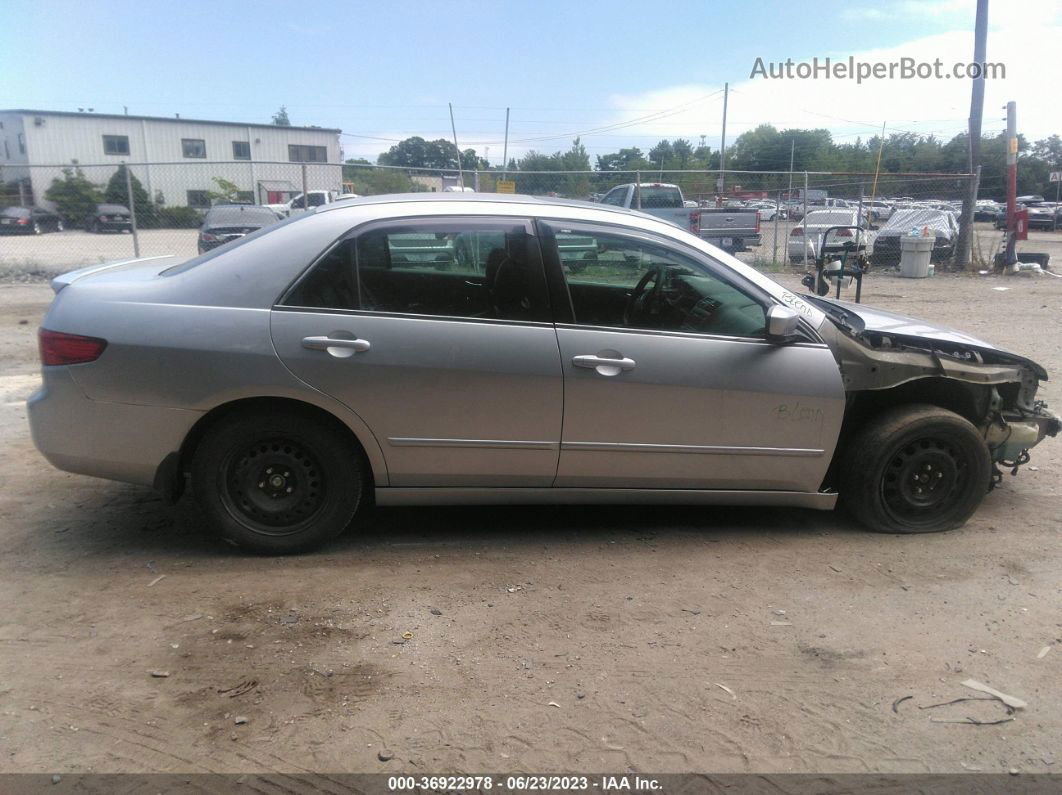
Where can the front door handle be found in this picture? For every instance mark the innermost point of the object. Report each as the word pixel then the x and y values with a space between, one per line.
pixel 338 347
pixel 605 365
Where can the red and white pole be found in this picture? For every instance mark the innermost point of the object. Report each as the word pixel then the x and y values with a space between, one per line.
pixel 1012 180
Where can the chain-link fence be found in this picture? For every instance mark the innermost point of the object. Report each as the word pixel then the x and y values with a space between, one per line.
pixel 773 220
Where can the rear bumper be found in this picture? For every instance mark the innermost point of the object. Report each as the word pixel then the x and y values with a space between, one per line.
pixel 739 239
pixel 117 441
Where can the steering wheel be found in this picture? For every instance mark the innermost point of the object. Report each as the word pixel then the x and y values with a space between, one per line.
pixel 655 275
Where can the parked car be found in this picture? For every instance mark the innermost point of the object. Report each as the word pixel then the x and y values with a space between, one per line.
pixel 730 229
pixel 299 374
pixel 298 203
pixel 767 210
pixel 806 238
pixel 878 211
pixel 988 210
pixel 1041 215
pixel 109 218
pixel 227 222
pixel 29 221
pixel 942 224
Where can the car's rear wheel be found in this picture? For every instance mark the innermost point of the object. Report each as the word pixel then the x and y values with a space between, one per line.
pixel 278 483
pixel 915 469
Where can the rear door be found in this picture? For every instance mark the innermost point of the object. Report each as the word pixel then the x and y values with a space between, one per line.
pixel 669 381
pixel 438 334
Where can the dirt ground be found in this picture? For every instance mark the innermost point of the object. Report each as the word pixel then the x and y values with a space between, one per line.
pixel 533 639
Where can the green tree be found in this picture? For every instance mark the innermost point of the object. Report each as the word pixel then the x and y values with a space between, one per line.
pixel 280 118
pixel 226 193
pixel 416 152
pixel 74 195
pixel 117 193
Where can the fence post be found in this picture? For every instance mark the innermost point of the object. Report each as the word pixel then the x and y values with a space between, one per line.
pixel 305 190
pixel 132 208
pixel 637 190
pixel 804 223
pixel 475 180
pixel 777 212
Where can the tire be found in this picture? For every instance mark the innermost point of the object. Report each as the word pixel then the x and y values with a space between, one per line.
pixel 891 464
pixel 278 483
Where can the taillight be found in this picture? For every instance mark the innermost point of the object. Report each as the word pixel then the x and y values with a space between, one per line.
pixel 798 231
pixel 22 221
pixel 102 218
pixel 695 223
pixel 59 348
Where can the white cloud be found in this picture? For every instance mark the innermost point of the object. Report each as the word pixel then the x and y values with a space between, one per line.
pixel 938 106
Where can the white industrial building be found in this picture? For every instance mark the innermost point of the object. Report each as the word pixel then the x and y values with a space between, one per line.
pixel 176 160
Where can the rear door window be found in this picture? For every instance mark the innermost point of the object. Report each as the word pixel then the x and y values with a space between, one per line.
pixel 460 269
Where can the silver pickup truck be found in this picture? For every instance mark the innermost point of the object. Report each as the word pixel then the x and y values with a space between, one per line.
pixel 729 229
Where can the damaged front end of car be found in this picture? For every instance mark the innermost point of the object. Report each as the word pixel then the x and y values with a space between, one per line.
pixel 887 359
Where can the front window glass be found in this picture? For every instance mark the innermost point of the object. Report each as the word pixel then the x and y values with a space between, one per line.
pixel 628 282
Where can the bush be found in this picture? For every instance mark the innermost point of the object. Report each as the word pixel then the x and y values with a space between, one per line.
pixel 74 196
pixel 177 218
pixel 116 193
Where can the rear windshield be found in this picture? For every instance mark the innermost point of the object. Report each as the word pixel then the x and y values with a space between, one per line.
pixel 830 217
pixel 111 208
pixel 905 220
pixel 236 216
pixel 660 197
pixel 15 212
pixel 202 259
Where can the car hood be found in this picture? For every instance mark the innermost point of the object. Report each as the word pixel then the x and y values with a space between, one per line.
pixel 870 323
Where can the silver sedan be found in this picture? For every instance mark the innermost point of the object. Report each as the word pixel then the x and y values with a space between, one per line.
pixel 445 349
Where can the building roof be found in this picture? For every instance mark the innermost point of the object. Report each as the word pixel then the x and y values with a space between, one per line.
pixel 80 115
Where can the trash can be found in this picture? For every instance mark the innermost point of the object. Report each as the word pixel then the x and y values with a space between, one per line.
pixel 914 256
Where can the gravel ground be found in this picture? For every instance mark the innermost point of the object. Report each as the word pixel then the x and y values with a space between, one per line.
pixel 541 639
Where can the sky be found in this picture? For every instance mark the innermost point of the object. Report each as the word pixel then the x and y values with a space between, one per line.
pixel 618 73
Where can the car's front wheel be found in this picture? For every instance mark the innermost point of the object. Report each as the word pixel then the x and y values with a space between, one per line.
pixel 915 469
pixel 278 483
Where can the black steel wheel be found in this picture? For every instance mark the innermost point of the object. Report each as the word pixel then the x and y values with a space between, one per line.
pixel 278 482
pixel 275 485
pixel 914 469
pixel 923 479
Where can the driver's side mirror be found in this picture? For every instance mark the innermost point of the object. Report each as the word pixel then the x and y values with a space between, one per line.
pixel 782 325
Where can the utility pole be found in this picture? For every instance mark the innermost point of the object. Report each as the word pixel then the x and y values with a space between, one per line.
pixel 722 147
pixel 973 150
pixel 505 149
pixel 453 127
pixel 1012 180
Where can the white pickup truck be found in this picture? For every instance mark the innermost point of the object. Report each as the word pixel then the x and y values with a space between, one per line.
pixel 729 229
pixel 317 198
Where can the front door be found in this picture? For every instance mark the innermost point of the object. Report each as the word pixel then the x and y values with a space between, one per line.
pixel 438 334
pixel 669 380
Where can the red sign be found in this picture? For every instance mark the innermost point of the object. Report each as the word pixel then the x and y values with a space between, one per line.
pixel 1021 224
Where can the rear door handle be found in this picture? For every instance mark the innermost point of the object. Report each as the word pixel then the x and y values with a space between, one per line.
pixel 604 365
pixel 340 348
